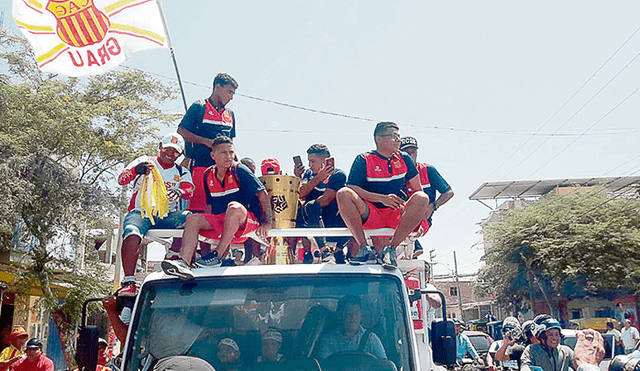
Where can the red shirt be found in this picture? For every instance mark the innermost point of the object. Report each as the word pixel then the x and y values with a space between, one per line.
pixel 43 363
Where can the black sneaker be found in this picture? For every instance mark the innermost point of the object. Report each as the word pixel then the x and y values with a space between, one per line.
pixel 227 263
pixel 307 258
pixel 339 256
pixel 208 261
pixel 388 257
pixel 366 254
pixel 178 268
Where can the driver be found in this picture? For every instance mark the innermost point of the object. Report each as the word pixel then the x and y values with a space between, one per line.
pixel 351 336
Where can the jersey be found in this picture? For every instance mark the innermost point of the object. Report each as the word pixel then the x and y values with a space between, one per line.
pixel 334 182
pixel 239 184
pixel 378 174
pixel 431 181
pixel 205 120
pixel 172 177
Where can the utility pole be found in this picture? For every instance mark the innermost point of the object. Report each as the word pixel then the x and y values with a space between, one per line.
pixel 455 263
pixel 432 262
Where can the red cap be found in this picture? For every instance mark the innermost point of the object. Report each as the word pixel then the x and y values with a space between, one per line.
pixel 17 332
pixel 270 166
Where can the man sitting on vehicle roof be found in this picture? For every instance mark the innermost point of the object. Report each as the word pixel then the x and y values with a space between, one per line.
pixel 232 194
pixel 376 195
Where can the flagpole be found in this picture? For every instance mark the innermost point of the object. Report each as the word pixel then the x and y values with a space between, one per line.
pixel 173 56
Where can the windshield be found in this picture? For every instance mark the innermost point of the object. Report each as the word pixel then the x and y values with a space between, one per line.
pixel 301 322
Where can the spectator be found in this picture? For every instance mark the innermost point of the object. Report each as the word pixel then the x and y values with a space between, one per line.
pixel 270 166
pixel 431 182
pixel 228 355
pixel 630 336
pixel 35 359
pixel 271 344
pixel 13 352
pixel 232 194
pixel 500 350
pixel 376 195
pixel 178 182
pixel 617 338
pixel 204 121
pixel 464 347
pixel 351 336
pixel 318 188
pixel 549 354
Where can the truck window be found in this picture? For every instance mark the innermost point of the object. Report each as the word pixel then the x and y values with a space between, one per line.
pixel 175 318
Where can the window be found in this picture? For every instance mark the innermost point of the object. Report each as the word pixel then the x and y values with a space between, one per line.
pixel 453 291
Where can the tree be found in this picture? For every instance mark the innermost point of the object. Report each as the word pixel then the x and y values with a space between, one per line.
pixel 563 243
pixel 61 140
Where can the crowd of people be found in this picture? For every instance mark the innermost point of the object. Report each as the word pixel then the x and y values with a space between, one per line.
pixel 218 196
pixel 24 354
pixel 536 345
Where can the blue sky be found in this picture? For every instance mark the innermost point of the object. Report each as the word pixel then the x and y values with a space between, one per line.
pixel 472 80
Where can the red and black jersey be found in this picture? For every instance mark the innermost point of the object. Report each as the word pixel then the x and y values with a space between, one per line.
pixel 239 184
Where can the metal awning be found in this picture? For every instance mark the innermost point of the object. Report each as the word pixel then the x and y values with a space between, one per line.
pixel 537 188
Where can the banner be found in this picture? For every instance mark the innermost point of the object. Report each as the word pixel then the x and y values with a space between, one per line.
pixel 88 37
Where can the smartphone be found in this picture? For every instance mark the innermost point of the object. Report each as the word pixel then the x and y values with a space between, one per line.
pixel 297 160
pixel 329 162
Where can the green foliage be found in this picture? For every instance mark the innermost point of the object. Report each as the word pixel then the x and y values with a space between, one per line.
pixel 61 140
pixel 557 244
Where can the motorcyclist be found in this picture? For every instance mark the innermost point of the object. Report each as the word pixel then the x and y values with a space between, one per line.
pixel 500 350
pixel 463 344
pixel 549 354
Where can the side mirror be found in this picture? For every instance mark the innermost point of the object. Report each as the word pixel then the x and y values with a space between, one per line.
pixel 87 346
pixel 442 332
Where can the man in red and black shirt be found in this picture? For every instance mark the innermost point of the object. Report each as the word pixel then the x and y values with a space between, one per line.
pixel 376 195
pixel 204 121
pixel 237 203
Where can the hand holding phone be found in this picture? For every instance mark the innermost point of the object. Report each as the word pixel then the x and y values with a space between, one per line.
pixel 330 163
pixel 298 168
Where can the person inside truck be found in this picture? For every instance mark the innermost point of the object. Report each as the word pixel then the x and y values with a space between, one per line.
pixel 376 196
pixel 237 204
pixel 350 336
pixel 271 344
pixel 228 355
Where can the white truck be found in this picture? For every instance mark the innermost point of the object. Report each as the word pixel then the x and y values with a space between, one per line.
pixel 189 318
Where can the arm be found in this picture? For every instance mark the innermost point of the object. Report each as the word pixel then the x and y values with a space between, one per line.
pixel 267 214
pixel 193 138
pixel 501 352
pixel 443 198
pixel 8 363
pixel 140 166
pixel 390 200
pixel 119 328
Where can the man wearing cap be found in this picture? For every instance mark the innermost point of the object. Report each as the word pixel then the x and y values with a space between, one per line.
pixel 35 359
pixel 271 344
pixel 204 121
pixel 464 347
pixel 430 179
pixel 376 195
pixel 237 203
pixel 177 181
pixel 228 355
pixel 319 184
pixel 13 352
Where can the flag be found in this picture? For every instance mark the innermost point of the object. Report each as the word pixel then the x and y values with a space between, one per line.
pixel 88 37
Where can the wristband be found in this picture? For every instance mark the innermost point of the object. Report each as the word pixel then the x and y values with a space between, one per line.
pixel 435 206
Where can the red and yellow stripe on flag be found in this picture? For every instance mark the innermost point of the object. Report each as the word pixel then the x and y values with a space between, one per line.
pixel 88 37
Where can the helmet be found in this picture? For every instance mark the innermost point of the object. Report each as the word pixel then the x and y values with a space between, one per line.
pixel 547 324
pixel 540 318
pixel 510 322
pixel 528 327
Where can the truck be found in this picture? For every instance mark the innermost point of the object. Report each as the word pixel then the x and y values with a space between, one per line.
pixel 175 318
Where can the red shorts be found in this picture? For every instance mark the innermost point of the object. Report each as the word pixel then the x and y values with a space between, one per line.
pixel 199 199
pixel 388 218
pixel 217 225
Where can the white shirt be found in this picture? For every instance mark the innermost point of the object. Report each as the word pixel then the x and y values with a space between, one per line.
pixel 616 334
pixel 629 337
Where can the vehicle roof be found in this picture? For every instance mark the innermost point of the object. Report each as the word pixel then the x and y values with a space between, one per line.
pixel 290 269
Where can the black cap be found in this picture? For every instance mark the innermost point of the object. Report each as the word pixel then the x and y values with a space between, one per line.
pixel 34 343
pixel 408 142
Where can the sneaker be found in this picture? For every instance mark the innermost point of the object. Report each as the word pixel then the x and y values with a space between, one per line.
pixel 365 255
pixel 339 256
pixel 307 258
pixel 388 256
pixel 178 268
pixel 128 290
pixel 208 261
pixel 227 263
pixel 326 256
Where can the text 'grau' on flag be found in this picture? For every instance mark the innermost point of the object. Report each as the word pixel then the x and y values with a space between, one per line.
pixel 88 37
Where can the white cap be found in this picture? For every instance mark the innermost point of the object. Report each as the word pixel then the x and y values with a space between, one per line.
pixel 173 140
pixel 230 343
pixel 272 335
